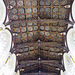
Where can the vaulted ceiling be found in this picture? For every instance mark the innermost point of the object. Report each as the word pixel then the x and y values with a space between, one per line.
pixel 37 27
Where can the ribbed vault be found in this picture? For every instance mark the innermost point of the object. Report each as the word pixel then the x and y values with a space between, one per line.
pixel 37 27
